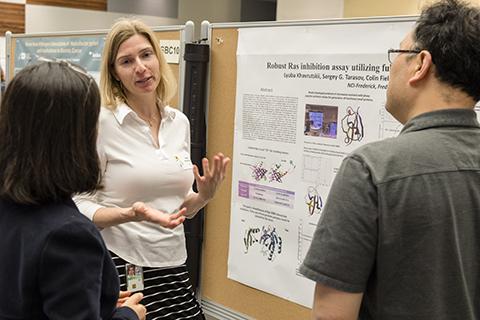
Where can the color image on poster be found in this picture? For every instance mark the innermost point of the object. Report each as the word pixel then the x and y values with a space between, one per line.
pixel 321 121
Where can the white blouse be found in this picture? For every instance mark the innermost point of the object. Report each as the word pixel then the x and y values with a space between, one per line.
pixel 135 170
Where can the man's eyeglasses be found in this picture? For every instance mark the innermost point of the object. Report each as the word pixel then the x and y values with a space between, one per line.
pixel 393 53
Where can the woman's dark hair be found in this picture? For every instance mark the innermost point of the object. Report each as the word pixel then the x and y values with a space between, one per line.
pixel 450 31
pixel 48 133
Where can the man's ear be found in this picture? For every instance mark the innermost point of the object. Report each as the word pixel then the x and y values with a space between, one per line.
pixel 422 65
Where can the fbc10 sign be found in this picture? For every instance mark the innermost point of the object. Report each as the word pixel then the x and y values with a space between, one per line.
pixel 171 50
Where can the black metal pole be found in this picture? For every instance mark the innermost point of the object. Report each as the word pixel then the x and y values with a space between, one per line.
pixel 196 63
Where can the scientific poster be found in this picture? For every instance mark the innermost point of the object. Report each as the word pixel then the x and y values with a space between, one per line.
pixel 85 51
pixel 306 97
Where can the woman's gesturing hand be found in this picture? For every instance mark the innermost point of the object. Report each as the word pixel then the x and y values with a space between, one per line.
pixel 141 212
pixel 212 175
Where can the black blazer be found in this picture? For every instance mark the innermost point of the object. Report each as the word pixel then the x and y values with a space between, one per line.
pixel 55 265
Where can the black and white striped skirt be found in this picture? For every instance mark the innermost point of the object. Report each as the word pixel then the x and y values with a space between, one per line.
pixel 167 292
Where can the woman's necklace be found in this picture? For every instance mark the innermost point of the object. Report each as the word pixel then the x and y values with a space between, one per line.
pixel 150 120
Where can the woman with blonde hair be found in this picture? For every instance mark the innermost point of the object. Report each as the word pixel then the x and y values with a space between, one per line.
pixel 147 174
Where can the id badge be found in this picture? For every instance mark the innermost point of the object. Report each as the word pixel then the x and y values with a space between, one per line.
pixel 134 275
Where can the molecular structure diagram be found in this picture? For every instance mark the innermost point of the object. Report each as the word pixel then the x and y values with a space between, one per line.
pixel 259 172
pixel 250 239
pixel 270 241
pixel 313 201
pixel 352 126
pixel 276 172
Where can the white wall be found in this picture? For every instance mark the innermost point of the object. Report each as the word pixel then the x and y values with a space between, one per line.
pixel 2 53
pixel 309 9
pixel 158 8
pixel 52 19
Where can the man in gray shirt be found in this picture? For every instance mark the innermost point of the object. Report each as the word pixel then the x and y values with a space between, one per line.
pixel 398 235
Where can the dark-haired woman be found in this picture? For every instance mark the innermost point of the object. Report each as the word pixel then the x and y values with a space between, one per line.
pixel 54 263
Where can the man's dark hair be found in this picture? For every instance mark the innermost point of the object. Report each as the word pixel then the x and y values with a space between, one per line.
pixel 450 31
pixel 48 132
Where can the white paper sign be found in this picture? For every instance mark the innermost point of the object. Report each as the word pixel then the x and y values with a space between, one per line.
pixel 171 50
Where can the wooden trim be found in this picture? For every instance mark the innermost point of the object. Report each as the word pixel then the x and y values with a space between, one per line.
pixel 100 5
pixel 12 18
